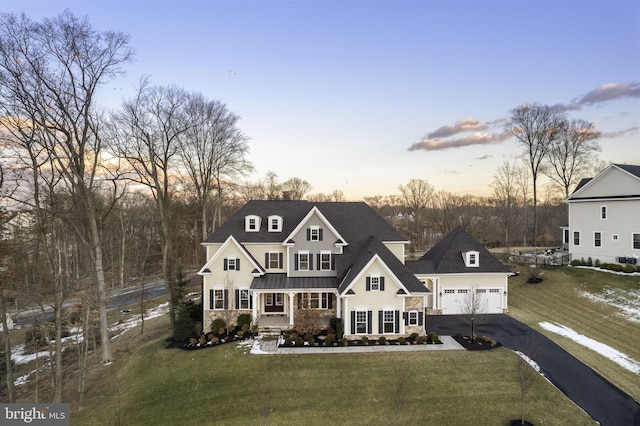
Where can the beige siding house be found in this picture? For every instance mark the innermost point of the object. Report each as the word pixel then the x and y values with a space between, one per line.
pixel 276 259
pixel 604 217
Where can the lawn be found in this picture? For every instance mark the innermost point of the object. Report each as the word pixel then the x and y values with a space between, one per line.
pixel 597 304
pixel 153 385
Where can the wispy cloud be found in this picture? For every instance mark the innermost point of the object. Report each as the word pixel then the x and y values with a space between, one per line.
pixel 437 139
pixel 475 139
pixel 460 126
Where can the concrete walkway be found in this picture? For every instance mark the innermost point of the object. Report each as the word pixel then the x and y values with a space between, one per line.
pixel 270 345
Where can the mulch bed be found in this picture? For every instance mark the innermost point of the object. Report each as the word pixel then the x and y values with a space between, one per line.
pixel 479 344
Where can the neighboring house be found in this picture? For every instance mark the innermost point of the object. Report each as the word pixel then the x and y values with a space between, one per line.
pixel 604 217
pixel 463 276
pixel 279 258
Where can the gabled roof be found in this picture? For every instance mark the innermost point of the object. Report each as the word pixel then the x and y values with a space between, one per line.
pixel 206 269
pixel 446 257
pixel 315 211
pixel 584 184
pixel 376 250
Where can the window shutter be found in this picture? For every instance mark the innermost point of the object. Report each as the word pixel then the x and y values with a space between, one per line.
pixel 318 261
pixel 226 265
pixel 329 301
pixel 381 283
pixel 266 260
pixel 237 298
pixel 405 317
pixel 237 264
pixel 369 318
pixel 310 262
pixel 226 299
pixel 295 263
pixel 210 299
pixel 397 321
pixel 308 234
pixel 368 283
pixel 420 318
pixel 250 300
pixel 353 321
pixel 299 300
pixel 320 234
pixel 280 260
pixel 380 322
pixel 333 263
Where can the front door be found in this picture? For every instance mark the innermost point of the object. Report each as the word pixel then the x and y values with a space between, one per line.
pixel 273 302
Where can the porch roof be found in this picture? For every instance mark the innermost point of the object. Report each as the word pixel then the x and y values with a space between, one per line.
pixel 282 282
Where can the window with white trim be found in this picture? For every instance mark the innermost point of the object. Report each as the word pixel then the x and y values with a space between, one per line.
pixel 243 299
pixel 218 298
pixel 231 264
pixel 375 282
pixel 635 238
pixel 413 317
pixel 471 259
pixel 314 233
pixel 597 239
pixel 303 261
pixel 361 322
pixel 275 223
pixel 274 260
pixel 325 261
pixel 614 237
pixel 603 212
pixel 252 223
pixel 576 238
pixel 388 321
pixel 314 300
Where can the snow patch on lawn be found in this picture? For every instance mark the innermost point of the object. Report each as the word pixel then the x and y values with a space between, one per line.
pixel 135 320
pixel 252 346
pixel 605 350
pixel 627 301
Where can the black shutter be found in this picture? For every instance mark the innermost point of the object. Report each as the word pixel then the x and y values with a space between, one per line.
pixel 266 261
pixel 369 318
pixel 329 301
pixel 310 262
pixel 353 321
pixel 397 330
pixel 320 234
pixel 405 317
pixel 226 299
pixel 420 318
pixel 250 300
pixel 237 264
pixel 226 266
pixel 333 263
pixel 381 283
pixel 280 260
pixel 237 298
pixel 318 261
pixel 210 299
pixel 368 283
pixel 295 262
pixel 380 322
pixel 308 234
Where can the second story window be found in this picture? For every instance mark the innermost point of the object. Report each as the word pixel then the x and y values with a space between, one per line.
pixel 232 264
pixel 597 239
pixel 603 212
pixel 576 238
pixel 314 233
pixel 325 261
pixel 375 283
pixel 303 261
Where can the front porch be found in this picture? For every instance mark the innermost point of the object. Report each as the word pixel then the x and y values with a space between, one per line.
pixel 272 325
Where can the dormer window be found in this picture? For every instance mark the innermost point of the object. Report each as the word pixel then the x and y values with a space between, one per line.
pixel 252 223
pixel 275 223
pixel 471 259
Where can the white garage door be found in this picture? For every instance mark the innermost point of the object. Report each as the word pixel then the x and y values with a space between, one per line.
pixel 458 300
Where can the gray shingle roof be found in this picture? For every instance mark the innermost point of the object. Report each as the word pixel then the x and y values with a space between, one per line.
pixel 446 256
pixel 282 282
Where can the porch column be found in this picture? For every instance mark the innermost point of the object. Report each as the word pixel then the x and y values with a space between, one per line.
pixel 256 298
pixel 291 294
pixel 338 306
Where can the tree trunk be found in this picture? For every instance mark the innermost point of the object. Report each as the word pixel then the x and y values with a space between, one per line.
pixel 7 350
pixel 58 379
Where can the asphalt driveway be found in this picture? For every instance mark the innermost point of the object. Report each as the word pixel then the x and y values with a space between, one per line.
pixel 607 404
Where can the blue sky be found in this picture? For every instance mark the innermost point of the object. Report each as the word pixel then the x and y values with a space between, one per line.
pixel 362 96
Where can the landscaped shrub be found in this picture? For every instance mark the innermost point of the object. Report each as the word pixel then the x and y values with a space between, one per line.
pixel 420 340
pixel 365 340
pixel 402 340
pixel 382 340
pixel 459 336
pixel 338 326
pixel 299 341
pixel 244 320
pixel 617 268
pixel 589 261
pixel 344 341
pixel 330 339
pixel 596 263
pixel 628 269
pixel 218 325
pixel 433 337
pixel 287 341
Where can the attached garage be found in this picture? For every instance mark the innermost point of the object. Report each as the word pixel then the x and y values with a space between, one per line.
pixel 459 300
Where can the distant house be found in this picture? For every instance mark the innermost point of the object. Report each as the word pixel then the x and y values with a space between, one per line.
pixel 604 217
pixel 276 259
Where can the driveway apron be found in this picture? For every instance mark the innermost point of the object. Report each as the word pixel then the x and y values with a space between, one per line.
pixel 602 400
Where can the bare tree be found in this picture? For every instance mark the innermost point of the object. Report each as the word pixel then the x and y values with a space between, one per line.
pixel 50 74
pixel 522 182
pixel 505 196
pixel 474 305
pixel 417 195
pixel 214 149
pixel 272 186
pixel 295 189
pixel 572 155
pixel 536 127
pixel 148 133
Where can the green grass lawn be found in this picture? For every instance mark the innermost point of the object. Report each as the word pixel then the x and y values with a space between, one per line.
pixel 226 385
pixel 559 299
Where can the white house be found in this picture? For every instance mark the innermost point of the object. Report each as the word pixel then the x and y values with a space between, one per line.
pixel 604 217
pixel 276 258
